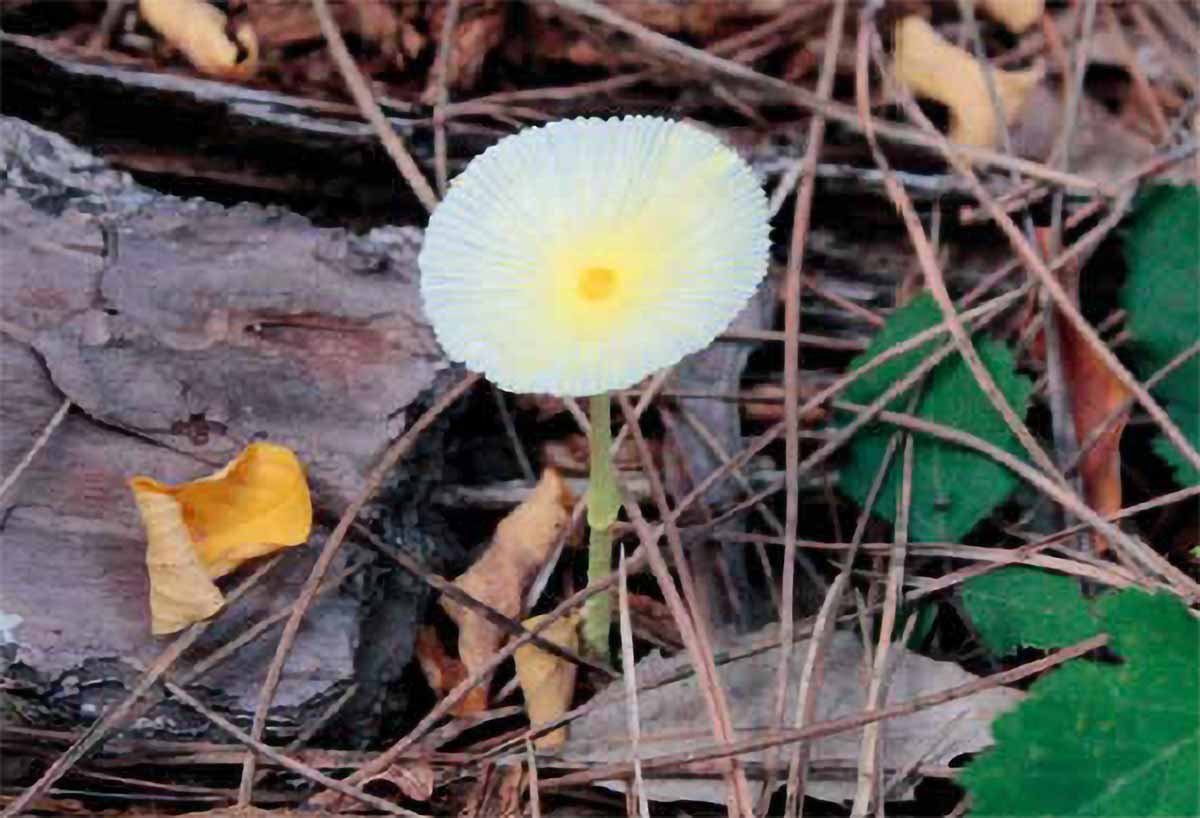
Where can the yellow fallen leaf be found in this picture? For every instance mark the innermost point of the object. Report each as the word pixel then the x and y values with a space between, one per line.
pixel 548 681
pixel 199 31
pixel 204 529
pixel 521 545
pixel 935 68
pixel 1015 15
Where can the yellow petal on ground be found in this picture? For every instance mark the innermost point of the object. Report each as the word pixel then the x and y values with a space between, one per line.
pixel 198 29
pixel 548 681
pixel 523 541
pixel 1015 15
pixel 181 591
pixel 934 68
pixel 204 529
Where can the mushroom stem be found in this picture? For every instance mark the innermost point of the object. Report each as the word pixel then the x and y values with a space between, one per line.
pixel 604 501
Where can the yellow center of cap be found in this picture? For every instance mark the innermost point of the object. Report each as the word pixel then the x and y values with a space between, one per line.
pixel 597 283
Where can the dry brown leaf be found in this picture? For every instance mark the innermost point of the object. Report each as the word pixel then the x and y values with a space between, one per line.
pixel 413 778
pixel 444 672
pixel 246 811
pixel 1095 394
pixel 698 18
pixel 671 699
pixel 384 23
pixel 570 455
pixel 1015 15
pixel 934 68
pixel 654 621
pixel 199 31
pixel 523 541
pixel 512 785
pixel 204 529
pixel 548 681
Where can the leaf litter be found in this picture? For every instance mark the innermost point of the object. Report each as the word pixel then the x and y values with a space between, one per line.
pixel 967 497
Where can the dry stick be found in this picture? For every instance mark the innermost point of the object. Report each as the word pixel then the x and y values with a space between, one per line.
pixel 369 108
pixel 1183 73
pixel 510 429
pixel 447 588
pixel 1014 556
pixel 692 628
pixel 990 308
pixel 743 482
pixel 309 590
pixel 116 716
pixel 452 698
pixel 934 279
pixel 629 668
pixel 279 758
pixel 836 111
pixel 535 795
pixel 55 420
pixel 1033 262
pixel 456 694
pixel 1177 21
pixel 791 376
pixel 872 737
pixel 1180 583
pixel 813 673
pixel 1127 55
pixel 832 726
pixel 441 93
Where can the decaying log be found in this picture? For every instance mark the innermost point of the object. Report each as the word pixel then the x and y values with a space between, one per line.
pixel 180 331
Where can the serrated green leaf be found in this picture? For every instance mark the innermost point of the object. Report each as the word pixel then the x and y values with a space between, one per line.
pixel 1188 420
pixel 1162 299
pixel 1105 739
pixel 953 487
pixel 1018 607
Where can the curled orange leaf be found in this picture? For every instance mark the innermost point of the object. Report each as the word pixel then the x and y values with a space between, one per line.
pixel 204 529
pixel 548 681
pixel 523 542
pixel 199 30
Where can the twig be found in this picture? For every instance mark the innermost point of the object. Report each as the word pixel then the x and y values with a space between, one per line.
pixel 1140 83
pixel 833 726
pixel 934 278
pixel 1042 272
pixel 309 590
pixel 279 758
pixel 115 717
pixel 629 666
pixel 866 794
pixel 441 70
pixel 838 112
pixel 370 108
pixel 100 38
pixel 514 439
pixel 55 420
pixel 691 628
pixel 791 372
pixel 449 589
pixel 535 795
pixel 1182 72
pixel 1180 583
pixel 739 476
pixel 813 672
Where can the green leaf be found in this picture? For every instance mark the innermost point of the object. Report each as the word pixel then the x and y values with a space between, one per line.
pixel 1162 299
pixel 1105 739
pixel 1188 419
pixel 1017 607
pixel 953 487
